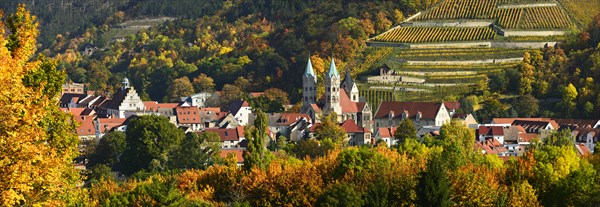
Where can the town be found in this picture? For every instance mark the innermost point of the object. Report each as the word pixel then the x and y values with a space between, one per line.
pixel 505 137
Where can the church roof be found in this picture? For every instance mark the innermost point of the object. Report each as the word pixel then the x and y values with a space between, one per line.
pixel 346 103
pixel 332 70
pixel 309 69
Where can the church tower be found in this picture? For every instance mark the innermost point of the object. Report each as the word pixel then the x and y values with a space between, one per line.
pixel 309 84
pixel 350 87
pixel 332 90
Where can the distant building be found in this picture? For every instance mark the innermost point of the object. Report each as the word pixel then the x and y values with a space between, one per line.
pixel 390 113
pixel 241 111
pixel 125 99
pixel 72 88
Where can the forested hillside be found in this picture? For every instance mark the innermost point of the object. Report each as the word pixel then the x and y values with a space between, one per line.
pixel 255 44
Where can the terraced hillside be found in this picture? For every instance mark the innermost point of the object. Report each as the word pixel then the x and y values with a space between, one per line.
pixel 453 47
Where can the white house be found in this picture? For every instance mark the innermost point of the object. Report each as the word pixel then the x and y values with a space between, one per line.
pixel 125 99
pixel 241 111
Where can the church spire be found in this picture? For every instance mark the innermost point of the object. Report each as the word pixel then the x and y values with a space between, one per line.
pixel 309 69
pixel 332 69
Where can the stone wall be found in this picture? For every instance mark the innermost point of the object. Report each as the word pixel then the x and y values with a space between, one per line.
pixel 513 33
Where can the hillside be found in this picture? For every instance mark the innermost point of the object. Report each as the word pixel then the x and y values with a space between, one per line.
pixel 457 45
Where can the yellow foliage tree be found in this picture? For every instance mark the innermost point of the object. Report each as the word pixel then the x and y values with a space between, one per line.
pixel 37 141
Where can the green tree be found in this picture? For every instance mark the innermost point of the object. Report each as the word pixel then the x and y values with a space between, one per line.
pixel 342 194
pixel 256 154
pixel 109 150
pixel 434 187
pixel 405 130
pixel 150 139
pixel 492 109
pixel 196 151
pixel 330 129
pixel 458 142
pixel 526 106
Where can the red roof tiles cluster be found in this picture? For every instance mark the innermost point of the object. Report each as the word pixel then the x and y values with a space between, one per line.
pixel 234 134
pixel 387 132
pixel 188 115
pixel 491 146
pixel 350 127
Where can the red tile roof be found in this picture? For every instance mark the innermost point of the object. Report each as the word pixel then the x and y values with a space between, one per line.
pixel 428 110
pixel 237 152
pixel 287 119
pixel 491 130
pixel 154 106
pixel 74 111
pixel 211 109
pixel 228 134
pixel 387 132
pixel 350 127
pixel 106 124
pixel 511 120
pixel 257 94
pixel 583 150
pixel 188 115
pixel 452 105
pixel 86 126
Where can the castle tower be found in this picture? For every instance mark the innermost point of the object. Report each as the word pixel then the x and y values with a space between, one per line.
pixel 332 90
pixel 350 87
pixel 309 84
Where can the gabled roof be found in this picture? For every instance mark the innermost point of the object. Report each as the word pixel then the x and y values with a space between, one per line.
pixel 188 115
pixel 582 150
pixel 287 119
pixel 386 132
pixel 154 106
pixel 583 123
pixel 452 105
pixel 106 124
pixel 535 126
pixel 68 97
pixel 491 130
pixel 117 99
pixel 234 134
pixel 350 127
pixel 86 125
pixel 235 106
pixel 511 120
pixel 428 110
pixel 74 111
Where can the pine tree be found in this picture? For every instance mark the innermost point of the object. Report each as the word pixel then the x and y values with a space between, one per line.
pixel 256 153
pixel 434 187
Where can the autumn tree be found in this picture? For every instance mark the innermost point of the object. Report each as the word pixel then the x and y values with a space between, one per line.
pixel 203 83
pixel 38 143
pixel 329 129
pixel 181 87
pixel 568 105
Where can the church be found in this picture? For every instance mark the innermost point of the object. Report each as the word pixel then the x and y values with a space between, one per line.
pixel 341 97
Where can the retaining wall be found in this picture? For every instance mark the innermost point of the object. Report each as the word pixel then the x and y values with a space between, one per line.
pixel 448 24
pixel 518 6
pixel 513 33
pixel 465 62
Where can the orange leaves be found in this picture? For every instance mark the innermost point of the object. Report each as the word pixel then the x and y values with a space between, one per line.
pixel 474 186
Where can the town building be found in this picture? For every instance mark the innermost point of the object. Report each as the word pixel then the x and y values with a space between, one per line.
pixel 341 98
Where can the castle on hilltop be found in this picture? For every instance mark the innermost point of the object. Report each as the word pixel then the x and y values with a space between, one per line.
pixel 341 97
